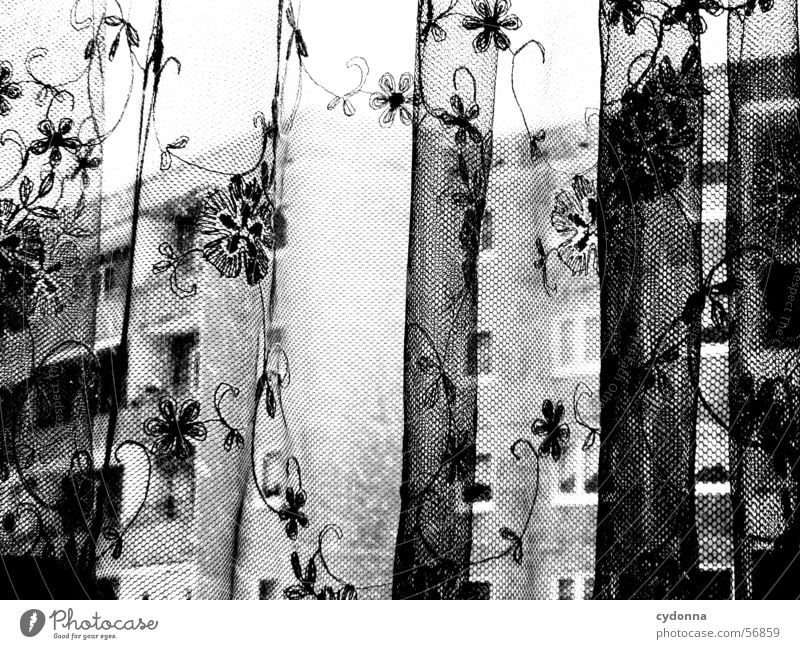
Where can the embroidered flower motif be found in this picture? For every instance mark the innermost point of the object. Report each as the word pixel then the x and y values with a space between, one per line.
pixel 492 20
pixel 764 5
pixel 21 249
pixel 461 119
pixel 687 14
pixel 776 181
pixel 240 224
pixel 86 162
pixel 574 217
pixel 48 290
pixel 54 140
pixel 348 591
pixel 553 429
pixel 305 588
pixel 647 134
pixel 395 99
pixel 8 89
pixel 629 11
pixel 770 420
pixel 291 512
pixel 175 432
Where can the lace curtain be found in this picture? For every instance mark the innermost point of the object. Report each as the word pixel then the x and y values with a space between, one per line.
pixel 460 300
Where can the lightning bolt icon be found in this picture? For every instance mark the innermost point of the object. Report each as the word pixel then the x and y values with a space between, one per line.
pixel 32 620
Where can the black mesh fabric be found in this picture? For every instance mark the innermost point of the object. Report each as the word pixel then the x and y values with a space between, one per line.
pixel 762 245
pixel 455 299
pixel 650 261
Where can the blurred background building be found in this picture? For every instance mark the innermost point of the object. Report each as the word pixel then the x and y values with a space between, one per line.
pixel 532 345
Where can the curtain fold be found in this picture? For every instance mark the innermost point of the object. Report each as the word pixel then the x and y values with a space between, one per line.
pixel 452 156
pixel 54 479
pixel 651 300
pixel 764 262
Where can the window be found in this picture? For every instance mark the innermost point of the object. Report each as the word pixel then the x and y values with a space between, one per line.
pixel 480 495
pixel 279 226
pixel 272 474
pixel 591 348
pixel 575 343
pixel 579 584
pixel 56 390
pixel 172 491
pixel 479 354
pixel 578 477
pixel 114 269
pixel 487 230
pixel 185 361
pixel 567 341
pixel 110 481
pixel 184 233
pixel 267 588
pixel 110 380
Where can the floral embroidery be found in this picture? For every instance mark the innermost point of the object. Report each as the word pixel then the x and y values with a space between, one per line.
pixel 131 35
pixel 291 512
pixel 764 5
pixel 574 217
pixel 776 182
pixel 394 99
pixel 492 21
pixel 21 249
pixel 627 10
pixel 175 432
pixel 8 89
pixel 54 140
pixel 650 129
pixel 461 119
pixel 240 224
pixel 48 289
pixel 769 420
pixel 86 162
pixel 552 427
pixel 687 14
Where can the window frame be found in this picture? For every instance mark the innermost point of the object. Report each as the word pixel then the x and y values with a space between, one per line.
pixel 579 580
pixel 580 496
pixel 580 364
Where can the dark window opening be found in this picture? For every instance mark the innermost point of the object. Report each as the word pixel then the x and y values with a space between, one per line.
pixel 272 476
pixel 567 485
pixel 56 389
pixel 114 269
pixel 111 380
pixel 716 474
pixel 267 588
pixel 185 361
pixel 184 233
pixel 279 228
pixel 479 354
pixel 590 486
pixel 566 589
pixel 487 230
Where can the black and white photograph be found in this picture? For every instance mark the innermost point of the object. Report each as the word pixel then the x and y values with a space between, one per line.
pixel 400 300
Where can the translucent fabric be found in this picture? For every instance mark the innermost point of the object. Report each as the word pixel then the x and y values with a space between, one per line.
pixel 461 300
